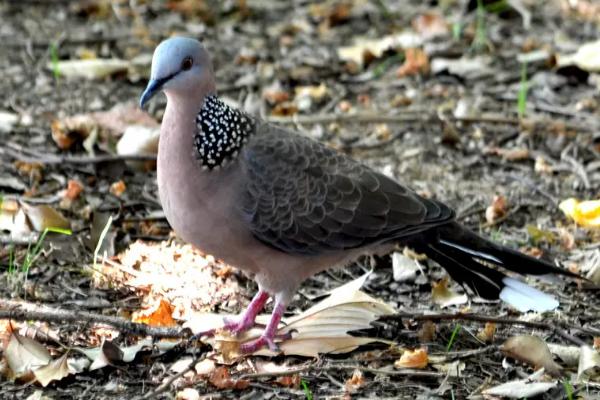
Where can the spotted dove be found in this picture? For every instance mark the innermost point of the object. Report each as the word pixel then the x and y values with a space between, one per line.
pixel 283 207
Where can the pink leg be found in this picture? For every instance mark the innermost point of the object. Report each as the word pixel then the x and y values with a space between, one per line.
pixel 246 320
pixel 268 336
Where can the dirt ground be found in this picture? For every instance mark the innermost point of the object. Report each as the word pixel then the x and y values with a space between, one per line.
pixel 450 130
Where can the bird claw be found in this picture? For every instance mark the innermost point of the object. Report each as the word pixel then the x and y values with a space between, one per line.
pixel 258 344
pixel 237 325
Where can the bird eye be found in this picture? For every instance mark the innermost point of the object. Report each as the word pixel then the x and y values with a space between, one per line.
pixel 187 63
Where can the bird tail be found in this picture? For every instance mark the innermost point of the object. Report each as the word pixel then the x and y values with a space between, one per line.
pixel 467 258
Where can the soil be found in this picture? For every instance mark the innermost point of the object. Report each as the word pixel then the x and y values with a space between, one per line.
pixel 453 135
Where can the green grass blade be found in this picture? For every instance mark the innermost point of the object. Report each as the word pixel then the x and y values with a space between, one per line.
pixel 457 329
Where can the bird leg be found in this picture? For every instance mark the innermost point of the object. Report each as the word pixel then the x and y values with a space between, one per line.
pixel 245 321
pixel 268 335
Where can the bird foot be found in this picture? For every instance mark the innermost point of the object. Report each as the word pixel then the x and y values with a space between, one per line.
pixel 263 341
pixel 238 325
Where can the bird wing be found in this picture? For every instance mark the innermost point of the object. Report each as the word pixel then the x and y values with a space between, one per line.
pixel 304 198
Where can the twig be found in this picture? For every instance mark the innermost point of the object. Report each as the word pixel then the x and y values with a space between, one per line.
pixel 19 153
pixel 163 387
pixel 555 326
pixel 25 311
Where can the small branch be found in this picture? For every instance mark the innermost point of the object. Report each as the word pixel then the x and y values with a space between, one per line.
pixel 557 327
pixel 18 152
pixel 24 311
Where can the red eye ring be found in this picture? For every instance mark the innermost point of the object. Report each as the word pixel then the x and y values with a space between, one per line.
pixel 187 63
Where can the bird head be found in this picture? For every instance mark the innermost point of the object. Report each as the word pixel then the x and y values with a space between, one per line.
pixel 182 67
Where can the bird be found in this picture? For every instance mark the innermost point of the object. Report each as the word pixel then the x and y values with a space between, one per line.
pixel 281 206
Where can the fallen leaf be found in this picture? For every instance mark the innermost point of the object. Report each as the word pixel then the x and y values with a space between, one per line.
pixel 416 62
pixel 24 355
pixel 521 388
pixel 54 371
pixel 417 358
pixel 139 140
pixel 158 314
pixel 98 68
pixel 74 189
pixel 187 394
pixel 430 25
pixel 453 369
pixel 404 268
pixel 569 355
pixel 487 333
pixel 587 57
pixel 443 296
pixel 322 328
pixel 495 210
pixel 7 121
pixel 465 67
pixel 364 50
pixel 118 188
pixel 221 379
pixel 584 213
pixel 290 381
pixel 428 332
pixel 355 382
pixel 512 154
pixel 533 351
pixel 589 361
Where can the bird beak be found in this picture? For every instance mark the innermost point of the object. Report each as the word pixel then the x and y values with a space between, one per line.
pixel 153 87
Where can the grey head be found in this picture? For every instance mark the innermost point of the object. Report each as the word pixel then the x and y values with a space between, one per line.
pixel 180 67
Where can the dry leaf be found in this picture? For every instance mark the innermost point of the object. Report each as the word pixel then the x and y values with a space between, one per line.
pixel 584 213
pixel 521 388
pixel 221 379
pixel 587 57
pixel 428 332
pixel 290 381
pixel 533 351
pixel 453 369
pixel 42 216
pixel 25 355
pixel 495 210
pixel 416 62
pixel 487 333
pixel 91 68
pixel 54 371
pixel 569 355
pixel 589 361
pixel 430 25
pixel 443 296
pixel 322 328
pixel 159 314
pixel 188 394
pixel 118 188
pixel 74 189
pixel 139 140
pixel 365 50
pixel 404 268
pixel 355 382
pixel 413 359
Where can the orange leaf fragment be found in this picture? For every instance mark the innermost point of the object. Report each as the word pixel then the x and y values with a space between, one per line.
pixel 416 62
pixel 118 188
pixel 221 379
pixel 159 315
pixel 496 210
pixel 487 333
pixel 355 382
pixel 74 189
pixel 291 381
pixel 416 358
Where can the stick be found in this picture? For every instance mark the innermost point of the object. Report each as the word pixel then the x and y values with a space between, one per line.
pixel 25 311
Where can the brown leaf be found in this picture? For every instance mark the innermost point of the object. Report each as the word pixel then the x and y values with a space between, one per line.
pixel 290 381
pixel 430 25
pixel 442 295
pixel 74 189
pixel 221 379
pixel 118 188
pixel 533 351
pixel 417 358
pixel 427 333
pixel 487 333
pixel 496 210
pixel 416 63
pixel 43 216
pixel 355 382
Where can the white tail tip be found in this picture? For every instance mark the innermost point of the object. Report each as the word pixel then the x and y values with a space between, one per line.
pixel 526 298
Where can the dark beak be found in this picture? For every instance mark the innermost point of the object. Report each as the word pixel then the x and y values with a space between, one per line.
pixel 154 86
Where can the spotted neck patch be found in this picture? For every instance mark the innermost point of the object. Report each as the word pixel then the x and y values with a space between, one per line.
pixel 222 132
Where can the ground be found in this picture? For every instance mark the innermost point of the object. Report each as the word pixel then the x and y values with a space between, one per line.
pixel 462 133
